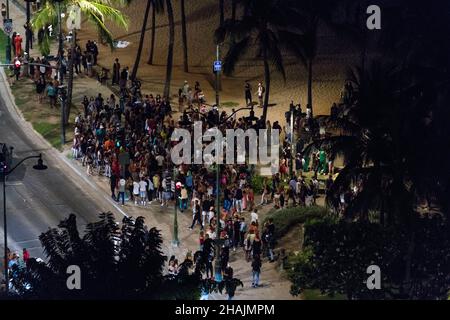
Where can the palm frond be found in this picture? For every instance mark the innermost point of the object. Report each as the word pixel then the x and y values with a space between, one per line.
pixel 236 51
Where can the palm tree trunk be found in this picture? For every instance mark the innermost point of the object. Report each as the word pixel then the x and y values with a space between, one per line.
pixel 310 77
pixel 267 93
pixel 184 36
pixel 222 14
pixel 170 50
pixel 152 45
pixel 141 42
pixel 70 80
pixel 233 18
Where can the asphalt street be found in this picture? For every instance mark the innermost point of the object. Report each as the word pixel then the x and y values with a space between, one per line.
pixel 39 200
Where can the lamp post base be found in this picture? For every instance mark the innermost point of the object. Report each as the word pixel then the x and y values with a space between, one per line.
pixel 175 243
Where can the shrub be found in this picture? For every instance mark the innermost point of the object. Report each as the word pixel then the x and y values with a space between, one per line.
pixel 257 183
pixel 285 219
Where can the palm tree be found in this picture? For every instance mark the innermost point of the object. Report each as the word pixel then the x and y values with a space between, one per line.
pixel 261 27
pixel 97 12
pixel 158 7
pixel 169 65
pixel 311 13
pixel 141 41
pixel 384 133
pixel 184 37
pixel 221 11
pixel 115 262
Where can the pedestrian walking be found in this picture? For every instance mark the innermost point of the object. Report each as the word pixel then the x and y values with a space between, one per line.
pixel 248 93
pixel 261 91
pixel 256 271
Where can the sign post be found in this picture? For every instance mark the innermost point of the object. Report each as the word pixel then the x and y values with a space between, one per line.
pixel 8 27
pixel 217 66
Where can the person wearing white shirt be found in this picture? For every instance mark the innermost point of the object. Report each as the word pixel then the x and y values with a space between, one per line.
pixel 261 91
pixel 136 191
pixel 254 216
pixel 122 184
pixel 143 191
pixel 211 214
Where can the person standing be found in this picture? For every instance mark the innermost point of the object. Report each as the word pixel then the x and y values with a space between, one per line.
pixel 261 91
pixel 184 198
pixel 270 238
pixel 124 78
pixel 26 256
pixel 29 34
pixel 248 93
pixel 116 72
pixel 113 183
pixel 196 215
pixel 122 184
pixel 254 216
pixel 143 191
pixel 238 199
pixel 13 43
pixel 18 44
pixel 136 192
pixel 256 271
pixel 51 93
pixel 242 231
pixel 95 52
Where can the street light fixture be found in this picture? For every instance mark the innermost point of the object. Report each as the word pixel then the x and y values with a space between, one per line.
pixel 4 172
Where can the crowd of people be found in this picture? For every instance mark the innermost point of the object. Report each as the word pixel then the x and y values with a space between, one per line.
pixel 126 138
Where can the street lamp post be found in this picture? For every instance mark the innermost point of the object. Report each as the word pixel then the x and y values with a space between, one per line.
pixel 63 100
pixel 28 32
pixel 60 43
pixel 8 45
pixel 217 266
pixel 217 76
pixel 4 173
pixel 175 241
pixel 292 111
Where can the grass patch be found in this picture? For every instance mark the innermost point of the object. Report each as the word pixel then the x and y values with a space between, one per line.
pixel 314 294
pixel 3 43
pixel 285 219
pixel 230 104
pixel 51 132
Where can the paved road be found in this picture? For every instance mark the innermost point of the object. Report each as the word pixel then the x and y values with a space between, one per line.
pixel 37 200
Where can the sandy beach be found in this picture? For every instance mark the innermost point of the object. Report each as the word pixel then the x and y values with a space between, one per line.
pixel 334 57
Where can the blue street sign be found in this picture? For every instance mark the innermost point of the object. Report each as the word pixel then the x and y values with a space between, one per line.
pixel 217 66
pixel 7 24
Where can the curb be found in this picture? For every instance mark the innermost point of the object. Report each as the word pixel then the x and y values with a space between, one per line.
pixel 17 115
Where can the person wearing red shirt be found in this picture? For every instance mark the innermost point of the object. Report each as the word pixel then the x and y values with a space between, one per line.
pixel 26 256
